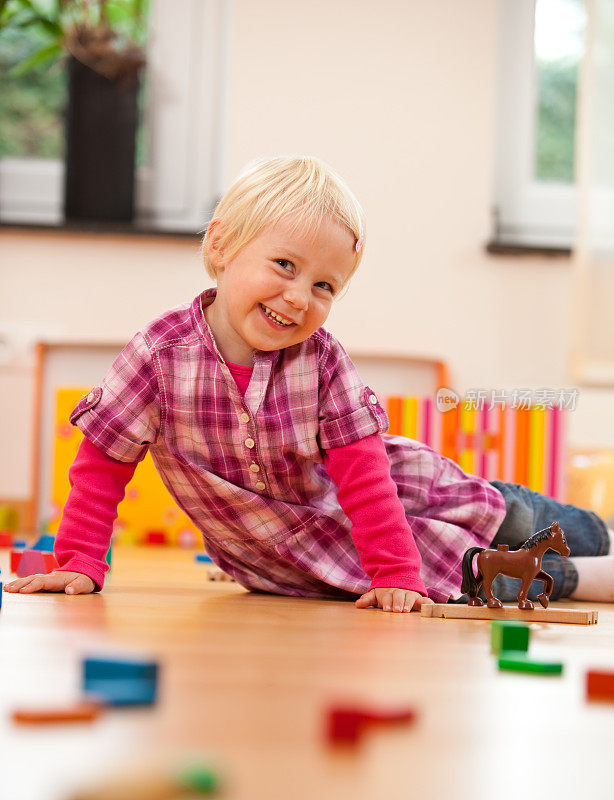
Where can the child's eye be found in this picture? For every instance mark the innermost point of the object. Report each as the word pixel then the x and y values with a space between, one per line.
pixel 326 286
pixel 284 263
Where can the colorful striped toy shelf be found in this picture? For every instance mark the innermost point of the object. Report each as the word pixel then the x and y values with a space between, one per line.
pixel 515 445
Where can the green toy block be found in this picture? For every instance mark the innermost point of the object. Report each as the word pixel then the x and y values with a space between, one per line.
pixel 509 636
pixel 520 662
pixel 197 778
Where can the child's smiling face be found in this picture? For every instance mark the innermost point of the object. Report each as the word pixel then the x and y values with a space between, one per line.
pixel 288 276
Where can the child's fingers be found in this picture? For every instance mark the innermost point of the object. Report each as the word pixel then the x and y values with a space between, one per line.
pixel 399 599
pixel 80 585
pixel 56 581
pixel 395 600
pixel 15 586
pixel 385 598
pixel 417 602
pixel 31 583
pixel 412 601
pixel 367 600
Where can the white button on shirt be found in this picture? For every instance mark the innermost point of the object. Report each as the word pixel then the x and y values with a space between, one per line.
pixel 244 417
pixel 254 467
pixel 250 443
pixel 372 399
pixel 260 486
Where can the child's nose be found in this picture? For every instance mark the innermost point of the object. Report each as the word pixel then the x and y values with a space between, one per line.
pixel 297 298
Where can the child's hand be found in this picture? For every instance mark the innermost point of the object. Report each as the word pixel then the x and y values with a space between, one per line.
pixel 58 581
pixel 393 600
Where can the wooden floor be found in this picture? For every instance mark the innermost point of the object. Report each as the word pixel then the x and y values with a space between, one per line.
pixel 245 681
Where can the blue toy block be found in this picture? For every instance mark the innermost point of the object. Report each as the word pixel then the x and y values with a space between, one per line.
pixel 19 544
pixel 121 682
pixel 95 668
pixel 122 691
pixel 44 542
pixel 203 558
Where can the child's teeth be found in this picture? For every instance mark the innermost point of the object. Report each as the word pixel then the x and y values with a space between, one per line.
pixel 270 313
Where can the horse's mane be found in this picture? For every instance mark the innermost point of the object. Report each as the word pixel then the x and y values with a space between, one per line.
pixel 538 537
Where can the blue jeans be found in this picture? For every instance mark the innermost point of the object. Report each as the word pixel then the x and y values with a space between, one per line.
pixel 528 512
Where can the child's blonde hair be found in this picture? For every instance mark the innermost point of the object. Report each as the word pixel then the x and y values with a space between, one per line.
pixel 300 190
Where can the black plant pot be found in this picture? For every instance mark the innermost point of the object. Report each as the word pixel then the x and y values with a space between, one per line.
pixel 101 126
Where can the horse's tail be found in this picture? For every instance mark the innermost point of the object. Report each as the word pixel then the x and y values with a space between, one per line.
pixel 471 583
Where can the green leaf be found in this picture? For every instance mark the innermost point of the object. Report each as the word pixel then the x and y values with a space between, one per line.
pixel 8 16
pixel 51 27
pixel 35 59
pixel 45 19
pixel 31 6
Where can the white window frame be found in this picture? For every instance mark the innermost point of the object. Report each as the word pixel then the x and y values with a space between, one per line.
pixel 527 212
pixel 185 115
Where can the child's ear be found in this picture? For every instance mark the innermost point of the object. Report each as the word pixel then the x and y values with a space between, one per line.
pixel 214 249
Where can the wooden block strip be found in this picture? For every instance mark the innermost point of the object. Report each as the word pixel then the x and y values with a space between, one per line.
pixel 463 611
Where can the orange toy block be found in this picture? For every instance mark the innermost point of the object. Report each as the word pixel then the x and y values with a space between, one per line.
pixel 600 685
pixel 348 724
pixel 33 562
pixel 85 711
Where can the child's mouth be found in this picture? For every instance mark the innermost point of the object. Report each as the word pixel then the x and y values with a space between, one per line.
pixel 273 318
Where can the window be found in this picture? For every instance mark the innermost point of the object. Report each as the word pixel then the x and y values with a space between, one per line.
pixel 540 49
pixel 178 146
pixel 31 105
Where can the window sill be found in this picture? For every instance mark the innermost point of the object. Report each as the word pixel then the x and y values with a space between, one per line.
pixel 105 228
pixel 501 249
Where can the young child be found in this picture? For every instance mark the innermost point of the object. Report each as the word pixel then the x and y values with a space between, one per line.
pixel 266 437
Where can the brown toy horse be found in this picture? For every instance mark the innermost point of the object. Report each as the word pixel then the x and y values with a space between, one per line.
pixel 524 563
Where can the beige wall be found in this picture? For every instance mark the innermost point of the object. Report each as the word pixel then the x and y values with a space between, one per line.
pixel 401 102
pixel 399 97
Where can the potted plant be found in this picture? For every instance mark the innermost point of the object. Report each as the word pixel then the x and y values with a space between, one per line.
pixel 102 40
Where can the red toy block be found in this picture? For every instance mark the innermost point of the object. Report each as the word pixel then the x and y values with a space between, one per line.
pixel 155 537
pixel 347 724
pixel 599 685
pixel 15 559
pixel 33 562
pixel 6 539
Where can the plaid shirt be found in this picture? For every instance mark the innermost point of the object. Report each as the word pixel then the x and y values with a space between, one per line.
pixel 248 470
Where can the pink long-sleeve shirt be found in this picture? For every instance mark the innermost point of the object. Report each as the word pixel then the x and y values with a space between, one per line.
pixel 366 493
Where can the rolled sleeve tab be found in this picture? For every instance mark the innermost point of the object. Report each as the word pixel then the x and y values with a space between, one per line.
pixel 122 416
pixel 377 411
pixel 90 401
pixel 368 418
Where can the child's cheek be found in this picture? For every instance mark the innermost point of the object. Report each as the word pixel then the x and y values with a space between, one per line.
pixel 324 308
